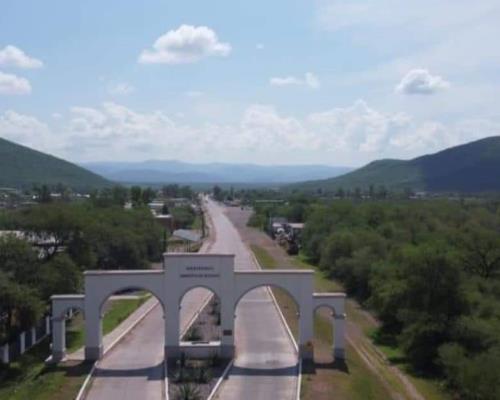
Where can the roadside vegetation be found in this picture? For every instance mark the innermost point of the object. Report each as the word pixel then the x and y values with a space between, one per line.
pixel 30 378
pixel 61 240
pixel 428 270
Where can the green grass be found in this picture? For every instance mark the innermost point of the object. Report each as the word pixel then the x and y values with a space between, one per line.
pixel 265 259
pixel 29 377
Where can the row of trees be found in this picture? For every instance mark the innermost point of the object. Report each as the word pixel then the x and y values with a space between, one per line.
pixel 430 270
pixel 64 240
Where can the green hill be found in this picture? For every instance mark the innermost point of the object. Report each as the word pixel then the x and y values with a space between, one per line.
pixel 22 167
pixel 469 168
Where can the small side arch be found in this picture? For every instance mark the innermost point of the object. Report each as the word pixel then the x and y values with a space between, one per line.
pixel 62 303
pixel 325 305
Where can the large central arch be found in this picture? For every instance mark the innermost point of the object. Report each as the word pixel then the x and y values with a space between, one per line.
pixel 183 272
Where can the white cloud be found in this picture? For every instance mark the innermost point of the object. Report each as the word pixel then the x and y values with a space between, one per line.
pixel 186 44
pixel 310 80
pixel 15 57
pixel 285 81
pixel 13 84
pixel 421 81
pixel 357 128
pixel 120 89
pixel 348 135
pixel 26 130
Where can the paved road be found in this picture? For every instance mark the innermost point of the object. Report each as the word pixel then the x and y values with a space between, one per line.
pixel 266 363
pixel 265 367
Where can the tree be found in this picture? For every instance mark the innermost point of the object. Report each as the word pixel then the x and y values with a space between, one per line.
pixel 43 194
pixel 480 250
pixel 148 196
pixel 217 193
pixel 58 276
pixel 136 195
pixel 20 307
pixel 432 301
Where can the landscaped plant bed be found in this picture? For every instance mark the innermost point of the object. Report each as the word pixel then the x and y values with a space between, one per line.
pixel 190 379
pixel 206 327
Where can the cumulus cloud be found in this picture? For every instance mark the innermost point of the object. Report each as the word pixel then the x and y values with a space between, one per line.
pixel 120 89
pixel 25 129
pixel 310 80
pixel 13 84
pixel 353 134
pixel 15 57
pixel 357 128
pixel 421 81
pixel 186 44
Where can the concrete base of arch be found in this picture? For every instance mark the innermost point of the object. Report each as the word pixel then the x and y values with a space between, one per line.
pixel 199 351
pixel 93 353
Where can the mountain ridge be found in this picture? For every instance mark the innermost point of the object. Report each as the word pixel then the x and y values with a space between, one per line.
pixel 174 171
pixel 23 167
pixel 469 167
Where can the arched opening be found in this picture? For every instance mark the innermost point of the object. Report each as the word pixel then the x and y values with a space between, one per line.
pixel 121 308
pixel 200 333
pixel 323 334
pixel 200 315
pixel 74 321
pixel 262 337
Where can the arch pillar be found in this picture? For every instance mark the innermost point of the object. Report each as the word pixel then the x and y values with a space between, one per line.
pixel 93 334
pixel 339 337
pixel 172 329
pixel 227 326
pixel 58 338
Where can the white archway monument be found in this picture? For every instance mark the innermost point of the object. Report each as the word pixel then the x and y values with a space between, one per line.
pixel 185 271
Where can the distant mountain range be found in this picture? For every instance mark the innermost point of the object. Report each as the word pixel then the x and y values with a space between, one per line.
pixel 468 168
pixel 22 167
pixel 169 171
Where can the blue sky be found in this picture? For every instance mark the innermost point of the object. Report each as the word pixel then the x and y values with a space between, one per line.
pixel 339 82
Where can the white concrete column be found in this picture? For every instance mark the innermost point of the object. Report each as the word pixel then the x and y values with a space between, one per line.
pixel 227 327
pixel 33 336
pixel 93 334
pixel 172 332
pixel 22 342
pixel 339 337
pixel 4 353
pixel 47 325
pixel 306 333
pixel 58 339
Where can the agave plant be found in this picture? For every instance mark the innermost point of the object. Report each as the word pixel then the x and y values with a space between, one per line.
pixel 188 392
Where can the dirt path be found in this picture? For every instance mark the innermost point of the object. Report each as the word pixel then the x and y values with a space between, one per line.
pixel 391 377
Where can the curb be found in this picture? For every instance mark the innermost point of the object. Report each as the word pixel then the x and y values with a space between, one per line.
pixel 165 378
pixel 86 382
pixel 212 394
